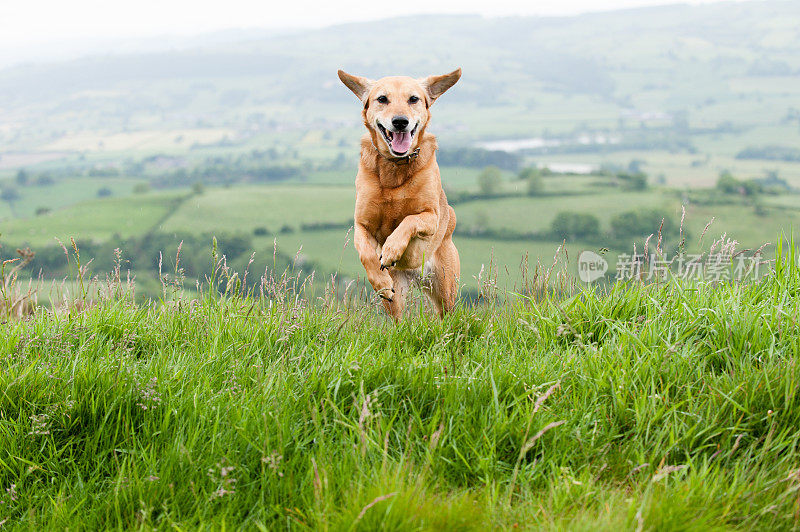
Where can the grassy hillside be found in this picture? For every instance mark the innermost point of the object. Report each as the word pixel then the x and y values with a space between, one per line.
pixel 664 406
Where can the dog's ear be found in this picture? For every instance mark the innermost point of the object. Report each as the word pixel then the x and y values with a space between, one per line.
pixel 360 86
pixel 437 85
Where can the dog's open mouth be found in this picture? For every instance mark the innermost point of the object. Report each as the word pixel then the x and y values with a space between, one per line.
pixel 399 141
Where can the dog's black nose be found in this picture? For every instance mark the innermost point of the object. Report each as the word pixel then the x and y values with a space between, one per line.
pixel 400 122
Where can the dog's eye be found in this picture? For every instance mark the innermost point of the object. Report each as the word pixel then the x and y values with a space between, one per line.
pixel 382 99
pixel 413 99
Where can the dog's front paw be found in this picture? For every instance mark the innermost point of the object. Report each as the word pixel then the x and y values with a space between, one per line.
pixel 391 252
pixel 383 285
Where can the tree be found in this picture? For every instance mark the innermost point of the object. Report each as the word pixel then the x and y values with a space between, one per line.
pixel 727 184
pixel 22 178
pixel 575 225
pixel 635 166
pixel 633 181
pixel 44 180
pixel 527 173
pixel 103 171
pixel 478 158
pixel 9 194
pixel 751 187
pixel 535 185
pixel 642 222
pixel 773 183
pixel 141 188
pixel 490 180
pixel 533 179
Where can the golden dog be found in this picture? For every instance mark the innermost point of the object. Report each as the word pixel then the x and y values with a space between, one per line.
pixel 403 223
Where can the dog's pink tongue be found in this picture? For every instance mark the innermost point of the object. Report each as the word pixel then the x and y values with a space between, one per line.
pixel 401 142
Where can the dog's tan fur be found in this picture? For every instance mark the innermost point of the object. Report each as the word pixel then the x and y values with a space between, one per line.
pixel 402 218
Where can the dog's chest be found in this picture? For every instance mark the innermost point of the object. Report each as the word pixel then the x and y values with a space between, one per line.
pixel 392 212
pixel 392 208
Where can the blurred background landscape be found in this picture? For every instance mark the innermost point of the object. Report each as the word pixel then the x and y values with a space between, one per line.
pixel 588 129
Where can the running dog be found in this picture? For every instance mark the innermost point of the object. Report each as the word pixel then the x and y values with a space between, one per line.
pixel 403 223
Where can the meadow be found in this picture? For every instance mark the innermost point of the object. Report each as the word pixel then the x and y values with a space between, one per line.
pixel 312 222
pixel 646 406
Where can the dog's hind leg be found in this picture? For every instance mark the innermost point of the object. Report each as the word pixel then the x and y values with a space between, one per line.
pixel 402 280
pixel 441 274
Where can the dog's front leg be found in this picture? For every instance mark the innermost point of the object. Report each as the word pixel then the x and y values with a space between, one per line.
pixel 420 225
pixel 367 249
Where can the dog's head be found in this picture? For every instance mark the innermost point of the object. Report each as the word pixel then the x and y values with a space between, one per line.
pixel 397 109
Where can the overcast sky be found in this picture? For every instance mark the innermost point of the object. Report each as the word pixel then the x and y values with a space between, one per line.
pixel 28 28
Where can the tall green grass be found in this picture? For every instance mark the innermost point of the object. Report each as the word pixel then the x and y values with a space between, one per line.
pixel 669 406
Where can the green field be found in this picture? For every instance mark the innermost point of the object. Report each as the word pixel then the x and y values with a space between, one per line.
pixel 66 192
pixel 98 220
pixel 245 208
pixel 286 214
pixel 664 407
pixel 535 214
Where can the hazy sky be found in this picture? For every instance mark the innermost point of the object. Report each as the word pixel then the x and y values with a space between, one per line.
pixel 27 25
